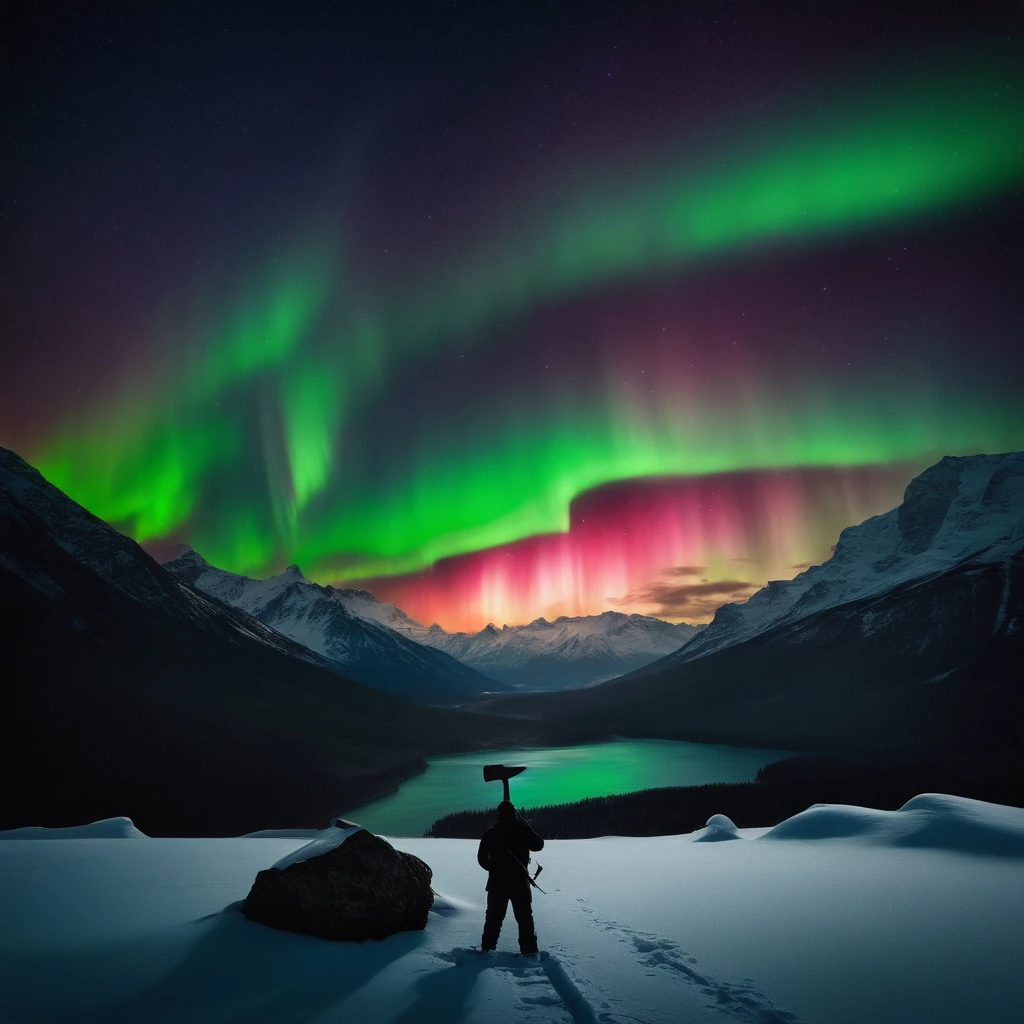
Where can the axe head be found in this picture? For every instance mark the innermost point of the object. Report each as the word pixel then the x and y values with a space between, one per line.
pixel 494 772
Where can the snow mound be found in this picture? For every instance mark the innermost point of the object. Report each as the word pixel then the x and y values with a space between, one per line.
pixel 718 828
pixel 330 839
pixel 108 828
pixel 283 833
pixel 930 821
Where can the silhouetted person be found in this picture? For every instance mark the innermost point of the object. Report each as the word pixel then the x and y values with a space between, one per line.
pixel 504 854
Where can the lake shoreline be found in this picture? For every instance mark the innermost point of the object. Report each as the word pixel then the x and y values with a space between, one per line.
pixel 563 773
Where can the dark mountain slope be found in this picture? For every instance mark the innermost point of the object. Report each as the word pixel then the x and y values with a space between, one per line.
pixel 834 682
pixel 129 693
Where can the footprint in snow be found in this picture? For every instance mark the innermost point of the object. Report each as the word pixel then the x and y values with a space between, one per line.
pixel 530 975
pixel 741 1000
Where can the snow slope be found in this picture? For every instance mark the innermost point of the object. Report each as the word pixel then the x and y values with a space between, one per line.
pixel 961 512
pixel 874 916
pixel 568 652
pixel 366 606
pixel 108 828
pixel 318 618
pixel 38 521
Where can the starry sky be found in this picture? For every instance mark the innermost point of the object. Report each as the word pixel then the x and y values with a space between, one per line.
pixel 511 310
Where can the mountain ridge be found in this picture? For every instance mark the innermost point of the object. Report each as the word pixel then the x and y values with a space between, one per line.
pixel 567 652
pixel 128 691
pixel 318 618
pixel 918 652
pixel 941 504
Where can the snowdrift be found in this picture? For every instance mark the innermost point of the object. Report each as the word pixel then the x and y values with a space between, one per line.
pixel 108 828
pixel 719 827
pixel 282 833
pixel 931 821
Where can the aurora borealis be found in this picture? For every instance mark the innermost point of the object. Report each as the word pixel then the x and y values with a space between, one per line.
pixel 505 315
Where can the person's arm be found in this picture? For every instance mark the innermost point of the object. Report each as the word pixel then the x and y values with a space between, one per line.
pixel 483 852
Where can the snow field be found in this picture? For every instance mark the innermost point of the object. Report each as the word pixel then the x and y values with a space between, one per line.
pixel 839 915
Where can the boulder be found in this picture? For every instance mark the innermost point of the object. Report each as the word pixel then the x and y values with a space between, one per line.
pixel 347 884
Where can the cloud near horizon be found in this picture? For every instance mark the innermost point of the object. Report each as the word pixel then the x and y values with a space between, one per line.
pixel 690 601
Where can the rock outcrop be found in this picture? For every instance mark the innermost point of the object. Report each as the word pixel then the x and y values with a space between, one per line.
pixel 347 884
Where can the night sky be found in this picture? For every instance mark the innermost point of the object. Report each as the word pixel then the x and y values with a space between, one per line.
pixel 502 311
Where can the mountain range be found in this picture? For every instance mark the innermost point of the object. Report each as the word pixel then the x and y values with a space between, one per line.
pixel 569 652
pixel 379 644
pixel 131 688
pixel 320 619
pixel 960 513
pixel 126 688
pixel 907 640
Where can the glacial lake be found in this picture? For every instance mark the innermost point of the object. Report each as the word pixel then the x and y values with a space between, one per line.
pixel 454 782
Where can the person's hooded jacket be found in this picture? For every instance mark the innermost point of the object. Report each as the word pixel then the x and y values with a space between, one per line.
pixel 504 851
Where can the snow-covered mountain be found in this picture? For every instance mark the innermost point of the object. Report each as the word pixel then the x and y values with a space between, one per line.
pixel 566 653
pixel 960 512
pixel 38 518
pixel 320 619
pixel 907 642
pixel 366 606
pixel 127 687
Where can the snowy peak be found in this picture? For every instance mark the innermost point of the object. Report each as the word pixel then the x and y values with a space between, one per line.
pixel 366 606
pixel 963 511
pixel 961 508
pixel 359 635
pixel 189 566
pixel 569 652
pixel 30 506
pixel 43 527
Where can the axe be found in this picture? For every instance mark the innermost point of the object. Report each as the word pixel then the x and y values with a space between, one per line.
pixel 493 772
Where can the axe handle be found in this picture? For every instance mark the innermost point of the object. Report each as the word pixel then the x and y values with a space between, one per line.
pixel 508 798
pixel 526 871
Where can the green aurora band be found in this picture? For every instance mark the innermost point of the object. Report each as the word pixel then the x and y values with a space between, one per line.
pixel 299 365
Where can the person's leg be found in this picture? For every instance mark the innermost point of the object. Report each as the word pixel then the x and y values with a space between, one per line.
pixel 497 905
pixel 522 907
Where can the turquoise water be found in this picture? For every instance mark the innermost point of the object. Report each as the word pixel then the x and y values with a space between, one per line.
pixel 556 775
